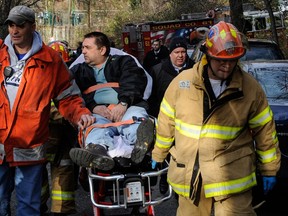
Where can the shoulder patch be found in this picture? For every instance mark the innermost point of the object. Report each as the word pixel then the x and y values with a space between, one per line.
pixel 184 84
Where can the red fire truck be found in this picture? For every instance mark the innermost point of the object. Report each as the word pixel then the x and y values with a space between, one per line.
pixel 137 38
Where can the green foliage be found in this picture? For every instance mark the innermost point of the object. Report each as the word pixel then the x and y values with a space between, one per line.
pixel 135 4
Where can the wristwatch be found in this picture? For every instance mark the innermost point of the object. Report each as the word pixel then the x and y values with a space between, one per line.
pixel 124 104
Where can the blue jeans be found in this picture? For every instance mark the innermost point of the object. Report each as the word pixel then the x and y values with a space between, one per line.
pixel 27 181
pixel 105 136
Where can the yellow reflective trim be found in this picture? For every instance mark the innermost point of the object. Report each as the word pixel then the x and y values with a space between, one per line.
pixel 164 142
pixel 61 195
pixel 61 47
pixel 233 33
pixel 192 131
pixel 230 187
pixel 220 132
pixel 267 156
pixel 183 190
pixel 208 131
pixel 223 34
pixel 262 118
pixel 275 137
pixel 167 109
pixel 209 43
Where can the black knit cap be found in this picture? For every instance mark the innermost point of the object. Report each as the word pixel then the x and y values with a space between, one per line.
pixel 177 42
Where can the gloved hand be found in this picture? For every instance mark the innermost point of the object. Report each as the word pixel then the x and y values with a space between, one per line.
pixel 153 164
pixel 268 183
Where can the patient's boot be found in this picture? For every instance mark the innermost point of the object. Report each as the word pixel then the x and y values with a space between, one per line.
pixel 92 156
pixel 145 137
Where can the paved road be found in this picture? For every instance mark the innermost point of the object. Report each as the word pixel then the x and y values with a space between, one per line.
pixel 275 205
pixel 84 206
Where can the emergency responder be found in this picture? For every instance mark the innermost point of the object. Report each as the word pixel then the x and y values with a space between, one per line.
pixel 62 49
pixel 220 120
pixel 63 136
pixel 31 75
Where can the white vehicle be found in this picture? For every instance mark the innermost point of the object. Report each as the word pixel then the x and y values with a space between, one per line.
pixel 260 20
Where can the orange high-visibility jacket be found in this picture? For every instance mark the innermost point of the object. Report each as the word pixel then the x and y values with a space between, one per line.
pixel 24 130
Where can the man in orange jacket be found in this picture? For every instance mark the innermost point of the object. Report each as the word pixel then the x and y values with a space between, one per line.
pixel 31 75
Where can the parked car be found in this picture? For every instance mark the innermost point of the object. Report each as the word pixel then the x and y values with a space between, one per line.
pixel 258 49
pixel 273 77
pixel 262 49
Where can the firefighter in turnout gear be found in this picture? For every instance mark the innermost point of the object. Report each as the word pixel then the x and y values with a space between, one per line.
pixel 62 49
pixel 223 129
pixel 63 137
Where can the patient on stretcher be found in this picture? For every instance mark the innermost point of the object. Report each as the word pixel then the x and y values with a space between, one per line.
pixel 112 87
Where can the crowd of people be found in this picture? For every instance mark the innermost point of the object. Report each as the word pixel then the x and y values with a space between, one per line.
pixel 213 121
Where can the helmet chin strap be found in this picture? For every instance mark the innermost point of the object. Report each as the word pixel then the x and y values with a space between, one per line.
pixel 209 65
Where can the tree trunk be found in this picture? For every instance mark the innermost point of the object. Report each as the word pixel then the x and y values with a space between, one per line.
pixel 236 13
pixel 5 7
pixel 272 20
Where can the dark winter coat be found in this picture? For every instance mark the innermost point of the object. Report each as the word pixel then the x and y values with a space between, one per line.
pixel 152 59
pixel 162 74
pixel 122 69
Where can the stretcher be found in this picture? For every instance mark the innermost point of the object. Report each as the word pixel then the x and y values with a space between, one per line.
pixel 129 189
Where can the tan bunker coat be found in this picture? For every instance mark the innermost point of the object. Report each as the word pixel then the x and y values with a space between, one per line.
pixel 214 140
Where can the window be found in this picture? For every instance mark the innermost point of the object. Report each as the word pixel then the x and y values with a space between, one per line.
pixel 260 23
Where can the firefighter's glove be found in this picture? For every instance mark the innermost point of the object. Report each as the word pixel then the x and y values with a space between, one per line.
pixel 153 164
pixel 268 183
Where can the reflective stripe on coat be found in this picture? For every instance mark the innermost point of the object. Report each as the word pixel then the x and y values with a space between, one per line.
pixel 224 140
pixel 24 131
